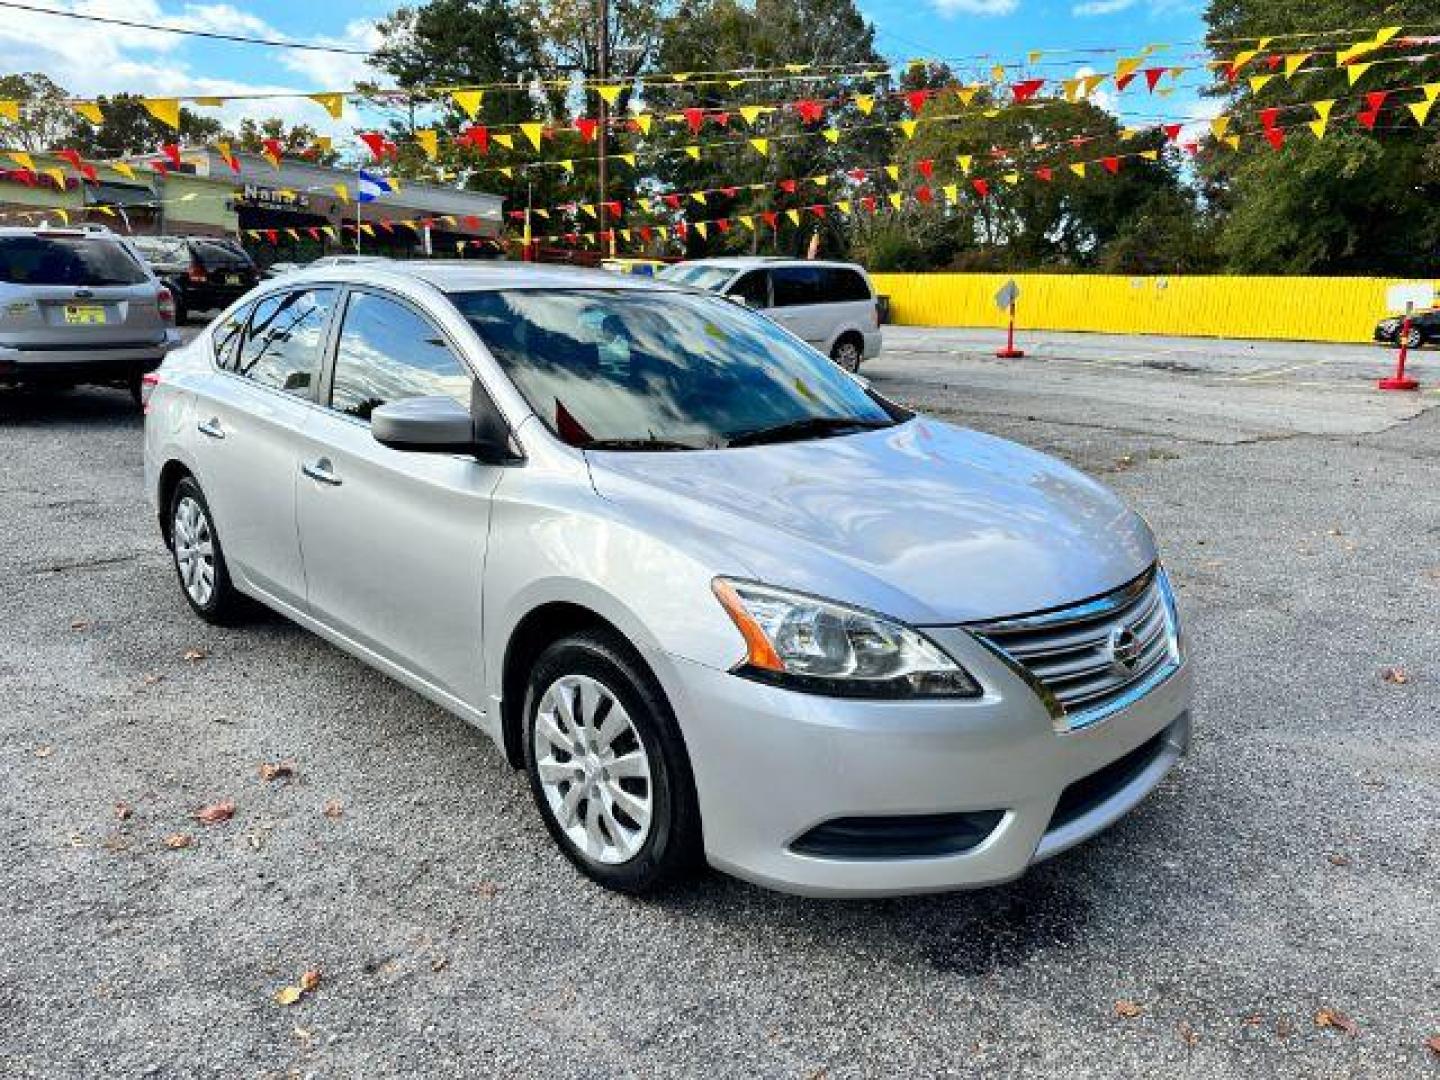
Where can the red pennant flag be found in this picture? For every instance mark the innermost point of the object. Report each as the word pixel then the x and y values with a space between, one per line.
pixel 924 194
pixel 272 235
pixel 72 156
pixel 858 175
pixel 314 231
pixel 916 99
pixel 471 221
pixel 517 215
pixel 1191 148
pixel 1122 81
pixel 1153 77
pixel 172 151
pixel 730 192
pixel 682 229
pixel 380 147
pixel 1366 119
pixel 1267 117
pixel 982 187
pixel 818 210
pixel 770 217
pixel 1024 91
pixel 694 118
pixel 161 166
pixel 811 112
pixel 868 202
pixel 1275 137
pixel 613 208
pixel 587 126
pixel 1044 173
pixel 88 171
pixel 1274 61
pixel 1172 131
pixel 723 224
pixel 787 186
pixel 672 201
pixel 926 167
pixel 1232 71
pixel 1375 99
pixel 722 118
pixel 1112 165
pixel 646 233
pixel 387 225
pixel 273 148
pixel 476 136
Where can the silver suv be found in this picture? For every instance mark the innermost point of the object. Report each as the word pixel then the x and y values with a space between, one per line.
pixel 79 306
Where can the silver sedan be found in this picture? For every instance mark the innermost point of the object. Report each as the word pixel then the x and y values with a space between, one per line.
pixel 721 600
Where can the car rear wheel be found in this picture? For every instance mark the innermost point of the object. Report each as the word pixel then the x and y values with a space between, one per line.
pixel 199 559
pixel 607 765
pixel 848 354
pixel 1415 338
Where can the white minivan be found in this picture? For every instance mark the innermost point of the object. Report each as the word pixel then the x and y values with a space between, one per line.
pixel 831 305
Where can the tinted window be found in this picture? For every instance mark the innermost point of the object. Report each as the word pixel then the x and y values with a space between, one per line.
pixel 214 253
pixel 796 285
pixel 669 370
pixel 67 260
pixel 753 288
pixel 699 275
pixel 387 352
pixel 228 335
pixel 840 285
pixel 287 333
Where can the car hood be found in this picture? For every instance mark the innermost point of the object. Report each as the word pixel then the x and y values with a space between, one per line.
pixel 926 522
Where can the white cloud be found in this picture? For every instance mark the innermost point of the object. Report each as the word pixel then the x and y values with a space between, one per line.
pixel 1101 7
pixel 951 8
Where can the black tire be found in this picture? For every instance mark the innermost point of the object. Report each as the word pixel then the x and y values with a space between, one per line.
pixel 848 352
pixel 223 605
pixel 1415 339
pixel 673 845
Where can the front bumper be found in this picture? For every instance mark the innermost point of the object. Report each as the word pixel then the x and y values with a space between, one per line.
pixel 770 765
pixel 98 363
pixel 873 343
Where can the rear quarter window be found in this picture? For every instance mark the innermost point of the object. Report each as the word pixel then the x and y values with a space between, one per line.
pixel 840 285
pixel 89 261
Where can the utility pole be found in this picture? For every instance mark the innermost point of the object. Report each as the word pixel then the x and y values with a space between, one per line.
pixel 602 71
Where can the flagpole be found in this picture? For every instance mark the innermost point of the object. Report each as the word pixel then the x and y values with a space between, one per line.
pixel 357 212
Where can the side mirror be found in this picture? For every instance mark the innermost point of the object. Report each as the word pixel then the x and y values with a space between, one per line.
pixel 441 425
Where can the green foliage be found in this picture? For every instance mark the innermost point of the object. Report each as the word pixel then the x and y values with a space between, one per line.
pixel 46 121
pixel 129 129
pixel 300 140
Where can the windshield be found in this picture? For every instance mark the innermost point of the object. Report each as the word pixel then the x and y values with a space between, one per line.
pixel 67 260
pixel 637 370
pixel 699 276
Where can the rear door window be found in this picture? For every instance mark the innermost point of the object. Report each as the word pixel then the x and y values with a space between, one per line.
pixel 285 340
pixel 797 286
pixel 212 255
pixel 841 285
pixel 80 261
pixel 753 288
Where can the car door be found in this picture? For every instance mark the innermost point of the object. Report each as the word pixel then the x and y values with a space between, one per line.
pixel 798 302
pixel 249 420
pixel 394 542
pixel 752 288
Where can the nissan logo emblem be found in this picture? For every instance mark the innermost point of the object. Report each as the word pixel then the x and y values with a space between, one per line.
pixel 1124 648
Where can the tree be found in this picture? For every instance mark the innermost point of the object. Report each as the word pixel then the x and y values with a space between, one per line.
pixel 47 122
pixel 128 128
pixel 300 140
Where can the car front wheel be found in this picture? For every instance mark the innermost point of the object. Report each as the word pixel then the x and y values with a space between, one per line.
pixel 607 765
pixel 848 354
pixel 1415 338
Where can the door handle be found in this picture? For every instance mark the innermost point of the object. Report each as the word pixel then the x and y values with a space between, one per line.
pixel 321 471
pixel 211 428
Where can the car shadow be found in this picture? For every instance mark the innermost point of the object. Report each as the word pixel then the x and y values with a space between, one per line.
pixel 83 405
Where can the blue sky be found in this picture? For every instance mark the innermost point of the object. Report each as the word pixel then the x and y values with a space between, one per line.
pixel 89 59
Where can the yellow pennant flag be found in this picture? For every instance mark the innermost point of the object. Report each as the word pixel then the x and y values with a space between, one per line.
pixel 9 110
pixel 693 152
pixel 609 92
pixel 794 216
pixel 1257 82
pixel 90 111
pixel 1072 88
pixel 1322 108
pixel 1011 178
pixel 108 211
pixel 506 171
pixel 1243 57
pixel 1126 134
pixel 367 228
pixel 296 236
pixel 588 209
pixel 334 104
pixel 751 113
pixel 819 181
pixel 1318 127
pixel 1033 56
pixel 843 205
pixel 1218 126
pixel 908 127
pixel 166 110
pixel 964 161
pixel 952 192
pixel 341 192
pixel 1356 71
pixel 124 169
pixel 63 215
pixel 734 84
pixel 1421 110
pixel 699 197
pixel 832 135
pixel 1233 141
pixel 21 158
pixel 1078 168
pixel 997 73
pixel 503 138
pixel 1127 67
pixel 1091 83
pixel 429 141
pixel 681 76
pixel 625 235
pixel 58 175
pixel 1293 62
pixel 1150 155
pixel 628 159
pixel 796 69
pixel 865 103
pixel 1383 36
pixel 702 229
pixel 469 100
pixel 568 166
pixel 966 94
pixel 893 171
pixel 762 146
pixel 1431 91
pixel 748 221
pixel 533 132
pixel 896 199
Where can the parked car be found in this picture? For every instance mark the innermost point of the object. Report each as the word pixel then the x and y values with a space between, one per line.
pixel 831 305
pixel 79 306
pixel 202 272
pixel 717 597
pixel 643 267
pixel 1424 328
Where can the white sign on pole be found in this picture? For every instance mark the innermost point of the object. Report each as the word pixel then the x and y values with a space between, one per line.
pixel 1008 294
pixel 1410 296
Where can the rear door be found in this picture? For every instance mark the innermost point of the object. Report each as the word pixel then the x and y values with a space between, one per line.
pixel 799 302
pixel 249 422
pixel 75 291
pixel 394 542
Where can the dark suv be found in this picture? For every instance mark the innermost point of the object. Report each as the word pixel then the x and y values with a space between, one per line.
pixel 202 272
pixel 1424 328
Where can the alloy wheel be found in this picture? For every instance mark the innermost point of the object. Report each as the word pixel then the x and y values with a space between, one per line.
pixel 195 550
pixel 847 355
pixel 593 769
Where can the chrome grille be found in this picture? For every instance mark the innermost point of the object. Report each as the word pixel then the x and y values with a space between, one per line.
pixel 1094 658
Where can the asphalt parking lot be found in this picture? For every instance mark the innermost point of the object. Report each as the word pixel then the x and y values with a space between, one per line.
pixel 1273 910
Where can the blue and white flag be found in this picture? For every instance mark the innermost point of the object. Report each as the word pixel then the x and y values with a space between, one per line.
pixel 371 187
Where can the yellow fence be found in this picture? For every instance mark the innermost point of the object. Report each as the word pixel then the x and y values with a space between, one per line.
pixel 1284 308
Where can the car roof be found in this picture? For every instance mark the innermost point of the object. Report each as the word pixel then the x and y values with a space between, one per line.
pixel 453 275
pixel 746 262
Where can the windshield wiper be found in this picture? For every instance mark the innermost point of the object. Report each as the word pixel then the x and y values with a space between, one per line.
pixel 638 444
pixel 808 427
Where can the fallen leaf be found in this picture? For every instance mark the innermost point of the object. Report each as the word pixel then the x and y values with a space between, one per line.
pixel 440 963
pixel 333 808
pixel 1394 674
pixel 151 680
pixel 177 840
pixel 288 995
pixel 123 811
pixel 255 840
pixel 276 770
pixel 116 843
pixel 487 889
pixel 1337 859
pixel 216 812
pixel 1188 1035
pixel 310 980
pixel 44 751
pixel 1433 1044
pixel 192 655
pixel 80 624
pixel 1333 1018
pixel 1128 1010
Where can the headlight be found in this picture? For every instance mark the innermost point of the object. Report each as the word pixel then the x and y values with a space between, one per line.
pixel 822 647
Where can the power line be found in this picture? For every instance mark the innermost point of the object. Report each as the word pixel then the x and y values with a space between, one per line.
pixel 215 35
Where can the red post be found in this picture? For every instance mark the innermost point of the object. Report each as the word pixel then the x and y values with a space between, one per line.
pixel 1010 352
pixel 1400 381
